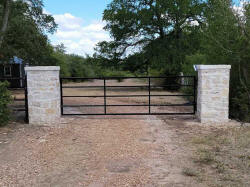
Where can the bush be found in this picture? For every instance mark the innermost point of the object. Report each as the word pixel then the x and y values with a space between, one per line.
pixel 239 105
pixel 5 99
pixel 110 73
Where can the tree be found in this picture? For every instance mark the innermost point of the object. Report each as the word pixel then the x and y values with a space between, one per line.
pixel 5 100
pixel 60 48
pixel 146 25
pixel 26 36
pixel 5 19
pixel 226 40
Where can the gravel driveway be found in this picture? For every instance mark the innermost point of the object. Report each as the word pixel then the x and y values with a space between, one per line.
pixel 118 151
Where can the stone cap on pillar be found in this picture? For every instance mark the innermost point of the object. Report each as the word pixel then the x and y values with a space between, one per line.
pixel 42 68
pixel 211 67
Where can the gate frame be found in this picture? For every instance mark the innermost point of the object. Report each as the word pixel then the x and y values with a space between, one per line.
pixel 105 96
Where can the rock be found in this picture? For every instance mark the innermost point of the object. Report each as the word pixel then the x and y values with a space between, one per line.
pixel 42 140
pixel 120 166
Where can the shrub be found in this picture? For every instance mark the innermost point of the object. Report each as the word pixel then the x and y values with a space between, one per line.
pixel 5 99
pixel 110 73
pixel 239 105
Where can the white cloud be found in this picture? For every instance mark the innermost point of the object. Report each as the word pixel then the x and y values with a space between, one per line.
pixel 239 8
pixel 79 38
pixel 68 22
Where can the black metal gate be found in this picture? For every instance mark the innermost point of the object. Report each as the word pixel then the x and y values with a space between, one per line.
pixel 20 96
pixel 173 85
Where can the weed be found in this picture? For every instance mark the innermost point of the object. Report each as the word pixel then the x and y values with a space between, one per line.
pixel 204 156
pixel 189 172
pixel 217 149
pixel 220 167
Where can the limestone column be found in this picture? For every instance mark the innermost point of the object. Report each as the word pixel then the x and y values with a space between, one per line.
pixel 213 93
pixel 43 84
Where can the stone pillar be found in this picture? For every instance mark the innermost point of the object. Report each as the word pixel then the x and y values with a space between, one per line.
pixel 43 86
pixel 213 93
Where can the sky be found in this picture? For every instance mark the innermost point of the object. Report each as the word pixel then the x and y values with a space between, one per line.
pixel 80 25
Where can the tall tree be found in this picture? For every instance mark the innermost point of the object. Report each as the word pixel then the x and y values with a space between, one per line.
pixel 26 35
pixel 227 41
pixel 137 24
pixel 5 19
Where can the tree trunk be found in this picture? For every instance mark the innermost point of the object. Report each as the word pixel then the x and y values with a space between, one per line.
pixel 6 12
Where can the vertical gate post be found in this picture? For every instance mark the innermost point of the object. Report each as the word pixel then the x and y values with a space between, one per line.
pixel 26 100
pixel 149 95
pixel 43 86
pixel 213 93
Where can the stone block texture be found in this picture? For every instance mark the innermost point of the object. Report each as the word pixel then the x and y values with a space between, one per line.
pixel 213 93
pixel 43 85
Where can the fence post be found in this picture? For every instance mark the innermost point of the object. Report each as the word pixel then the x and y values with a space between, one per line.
pixel 105 96
pixel 213 93
pixel 43 86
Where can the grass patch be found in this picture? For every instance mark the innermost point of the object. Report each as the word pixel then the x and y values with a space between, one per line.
pixel 225 155
pixel 204 156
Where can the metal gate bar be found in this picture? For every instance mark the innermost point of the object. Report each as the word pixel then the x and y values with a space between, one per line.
pixel 149 87
pixel 26 100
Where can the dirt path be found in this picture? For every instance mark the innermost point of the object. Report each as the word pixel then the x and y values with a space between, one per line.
pixel 94 152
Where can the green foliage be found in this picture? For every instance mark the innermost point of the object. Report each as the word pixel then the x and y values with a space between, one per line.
pixel 191 60
pixel 120 74
pixel 26 34
pixel 188 69
pixel 5 99
pixel 74 65
pixel 61 60
pixel 239 105
pixel 161 29
pixel 79 67
pixel 226 41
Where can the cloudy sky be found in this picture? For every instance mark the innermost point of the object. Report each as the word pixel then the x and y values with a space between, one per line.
pixel 80 25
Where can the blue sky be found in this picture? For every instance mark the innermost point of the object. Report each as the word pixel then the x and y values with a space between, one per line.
pixel 80 25
pixel 87 9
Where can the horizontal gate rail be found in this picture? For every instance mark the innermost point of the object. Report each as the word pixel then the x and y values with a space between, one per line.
pixel 110 78
pixel 148 87
pixel 128 114
pixel 133 96
pixel 126 105
pixel 126 86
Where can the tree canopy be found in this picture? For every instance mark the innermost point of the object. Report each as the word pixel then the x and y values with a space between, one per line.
pixel 152 27
pixel 26 34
